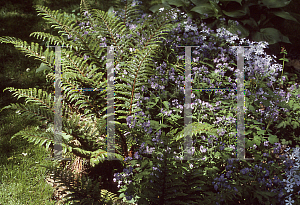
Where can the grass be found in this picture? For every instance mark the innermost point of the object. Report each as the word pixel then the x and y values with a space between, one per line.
pixel 22 179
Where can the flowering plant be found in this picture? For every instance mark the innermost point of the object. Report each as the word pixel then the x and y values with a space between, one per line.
pixel 256 177
pixel 152 104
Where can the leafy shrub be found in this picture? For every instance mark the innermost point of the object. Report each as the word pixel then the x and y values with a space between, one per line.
pixel 144 108
pixel 256 20
pixel 254 180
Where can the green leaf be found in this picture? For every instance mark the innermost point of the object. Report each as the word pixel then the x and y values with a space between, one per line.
pixel 236 13
pixel 152 104
pixel 199 2
pixel 295 124
pixel 282 124
pixel 284 142
pixel 176 3
pixel 42 67
pixel 251 22
pixel 67 137
pixel 233 28
pixel 198 128
pixel 261 132
pixel 256 122
pixel 239 1
pixel 251 108
pixel 155 8
pixel 154 124
pixel 285 15
pixel 275 3
pixel 110 10
pixel 271 35
pixel 249 143
pixel 272 139
pixel 257 195
pixel 204 9
pixel 166 103
pixel 257 140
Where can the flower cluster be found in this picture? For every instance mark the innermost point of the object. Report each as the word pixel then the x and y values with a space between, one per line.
pixel 221 75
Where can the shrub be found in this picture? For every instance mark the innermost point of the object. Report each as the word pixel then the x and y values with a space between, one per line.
pixel 211 70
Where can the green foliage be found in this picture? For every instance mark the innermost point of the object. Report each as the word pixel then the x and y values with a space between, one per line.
pixel 254 17
pixel 83 113
pixel 76 72
pixel 160 179
pixel 80 190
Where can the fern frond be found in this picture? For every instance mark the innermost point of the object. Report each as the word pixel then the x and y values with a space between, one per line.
pixel 198 128
pixel 53 40
pixel 80 190
pixel 33 50
pixel 109 197
pixel 32 95
pixel 63 22
pixel 34 135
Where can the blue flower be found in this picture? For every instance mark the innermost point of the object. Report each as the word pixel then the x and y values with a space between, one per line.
pixel 136 155
pixel 129 197
pixel 203 150
pixel 85 57
pixel 266 143
pixel 265 154
pixel 228 174
pixel 216 187
pixel 289 201
pixel 289 188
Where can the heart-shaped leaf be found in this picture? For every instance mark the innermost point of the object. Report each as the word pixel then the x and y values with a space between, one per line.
pixel 204 9
pixel 271 35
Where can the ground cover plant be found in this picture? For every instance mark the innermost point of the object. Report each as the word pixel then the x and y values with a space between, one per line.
pixel 262 123
pixel 257 20
pixel 153 176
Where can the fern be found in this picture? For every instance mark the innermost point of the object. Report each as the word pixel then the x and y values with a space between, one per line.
pixel 83 113
pixel 81 190
pixel 198 128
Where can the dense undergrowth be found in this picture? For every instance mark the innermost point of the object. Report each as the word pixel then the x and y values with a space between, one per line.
pixel 150 174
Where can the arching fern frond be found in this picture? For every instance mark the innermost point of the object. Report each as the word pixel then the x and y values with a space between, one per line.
pixel 38 97
pixel 33 50
pixel 83 113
